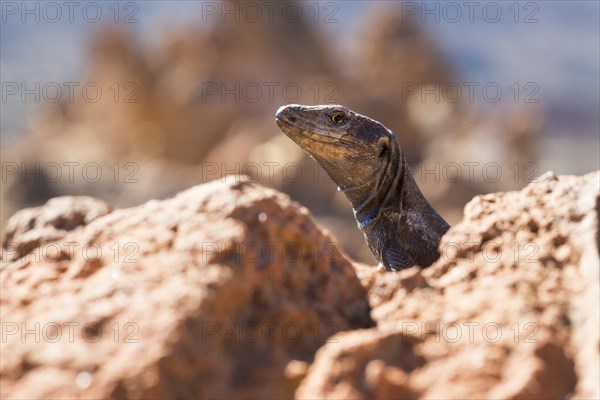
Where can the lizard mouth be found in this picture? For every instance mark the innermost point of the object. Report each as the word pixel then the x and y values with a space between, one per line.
pixel 282 121
pixel 289 128
pixel 294 131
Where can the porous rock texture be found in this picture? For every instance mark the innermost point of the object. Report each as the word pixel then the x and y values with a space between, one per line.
pixel 209 294
pixel 510 310
pixel 231 290
pixel 33 227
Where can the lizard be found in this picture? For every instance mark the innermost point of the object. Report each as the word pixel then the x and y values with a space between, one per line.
pixel 365 160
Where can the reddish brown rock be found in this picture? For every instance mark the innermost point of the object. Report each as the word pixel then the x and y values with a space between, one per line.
pixel 229 290
pixel 509 311
pixel 31 228
pixel 178 299
pixel 351 366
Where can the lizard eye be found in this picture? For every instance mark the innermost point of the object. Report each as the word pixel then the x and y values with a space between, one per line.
pixel 338 118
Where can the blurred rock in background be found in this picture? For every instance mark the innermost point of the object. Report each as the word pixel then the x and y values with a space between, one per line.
pixel 200 105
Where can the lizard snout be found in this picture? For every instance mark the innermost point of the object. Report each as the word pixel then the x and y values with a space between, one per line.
pixel 287 113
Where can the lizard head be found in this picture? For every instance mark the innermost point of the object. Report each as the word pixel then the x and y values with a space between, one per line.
pixel 351 147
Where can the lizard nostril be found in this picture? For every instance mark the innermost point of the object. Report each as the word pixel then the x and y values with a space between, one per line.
pixel 285 113
pixel 289 113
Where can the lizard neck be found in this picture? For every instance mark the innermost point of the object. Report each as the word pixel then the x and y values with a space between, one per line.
pixel 391 204
pixel 369 198
pixel 420 227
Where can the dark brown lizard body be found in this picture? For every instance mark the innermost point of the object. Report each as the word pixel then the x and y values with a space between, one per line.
pixel 364 159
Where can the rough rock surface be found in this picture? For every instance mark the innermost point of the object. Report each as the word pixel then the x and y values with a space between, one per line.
pixel 33 227
pixel 509 311
pixel 230 290
pixel 181 298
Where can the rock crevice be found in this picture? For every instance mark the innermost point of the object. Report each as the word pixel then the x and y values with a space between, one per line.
pixel 231 290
